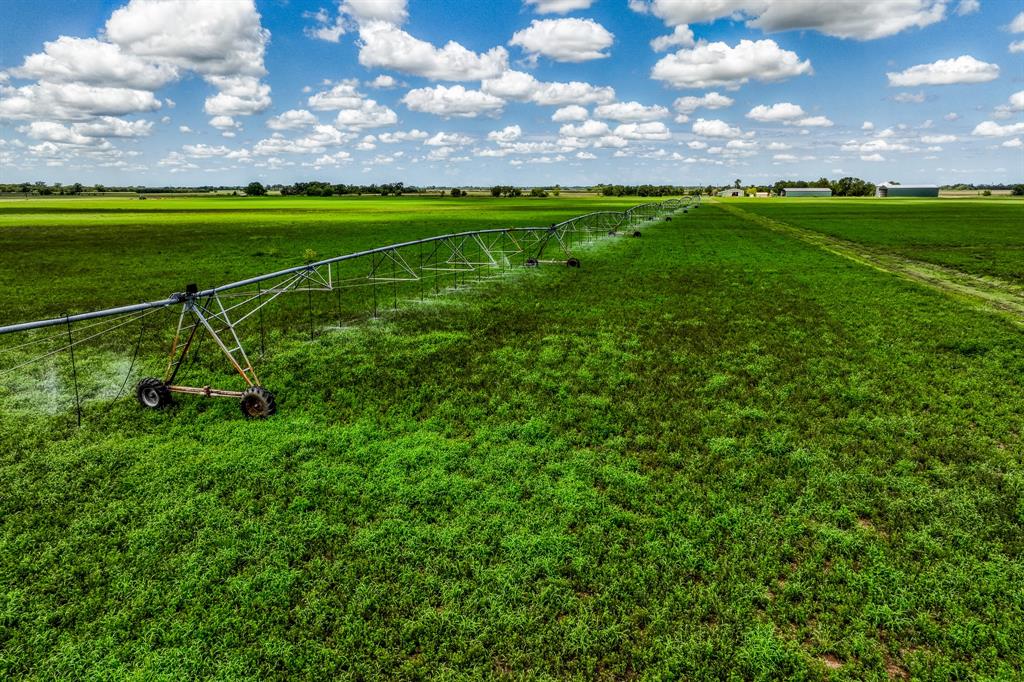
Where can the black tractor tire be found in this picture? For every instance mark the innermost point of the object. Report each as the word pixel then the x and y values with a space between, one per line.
pixel 573 262
pixel 636 233
pixel 258 403
pixel 152 393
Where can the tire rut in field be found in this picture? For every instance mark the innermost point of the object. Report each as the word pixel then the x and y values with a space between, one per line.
pixel 989 293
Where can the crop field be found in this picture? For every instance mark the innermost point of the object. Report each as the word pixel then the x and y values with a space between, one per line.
pixel 151 248
pixel 981 237
pixel 715 452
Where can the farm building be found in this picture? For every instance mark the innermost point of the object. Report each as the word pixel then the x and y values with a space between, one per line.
pixel 887 190
pixel 731 193
pixel 806 192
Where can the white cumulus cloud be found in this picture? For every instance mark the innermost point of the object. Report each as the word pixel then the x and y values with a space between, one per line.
pixel 93 62
pixel 963 69
pixel 238 96
pixel 776 113
pixel 523 87
pixel 715 128
pixel 385 45
pixel 564 40
pixel 444 139
pixel 993 129
pixel 391 11
pixel 840 18
pixel 452 101
pixel 719 64
pixel 355 111
pixel 573 112
pixel 383 82
pixel 507 134
pixel 682 36
pixel 627 112
pixel 711 100
pixel 589 128
pixel 1017 25
pixel 653 130
pixel 558 6
pixel 369 114
pixel 402 136
pixel 292 119
pixel 72 101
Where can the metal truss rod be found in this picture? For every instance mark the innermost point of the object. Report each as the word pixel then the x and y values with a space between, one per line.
pixel 539 236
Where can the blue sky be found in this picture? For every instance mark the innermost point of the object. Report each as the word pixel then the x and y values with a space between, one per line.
pixel 191 92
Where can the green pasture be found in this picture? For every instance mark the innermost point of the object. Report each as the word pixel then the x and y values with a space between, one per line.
pixel 715 452
pixel 979 236
pixel 59 256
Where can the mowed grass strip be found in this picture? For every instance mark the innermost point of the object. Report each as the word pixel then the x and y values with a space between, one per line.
pixel 711 452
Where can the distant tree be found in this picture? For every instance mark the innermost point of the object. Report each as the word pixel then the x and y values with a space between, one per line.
pixel 1017 191
pixel 987 193
pixel 538 192
pixel 100 188
pixel 456 192
pixel 496 191
pixel 255 189
pixel 76 188
pixel 736 183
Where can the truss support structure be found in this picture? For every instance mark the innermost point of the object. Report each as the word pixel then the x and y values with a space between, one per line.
pixel 219 312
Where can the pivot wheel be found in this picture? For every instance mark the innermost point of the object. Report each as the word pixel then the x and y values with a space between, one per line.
pixel 258 403
pixel 573 262
pixel 531 262
pixel 636 233
pixel 152 393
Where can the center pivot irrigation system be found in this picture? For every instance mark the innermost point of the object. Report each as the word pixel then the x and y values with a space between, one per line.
pixel 221 310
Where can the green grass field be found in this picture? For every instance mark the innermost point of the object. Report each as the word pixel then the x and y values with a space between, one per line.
pixel 152 248
pixel 982 236
pixel 713 452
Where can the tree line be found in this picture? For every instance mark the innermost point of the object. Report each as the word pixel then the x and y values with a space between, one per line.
pixel 326 189
pixel 843 187
pixel 640 190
